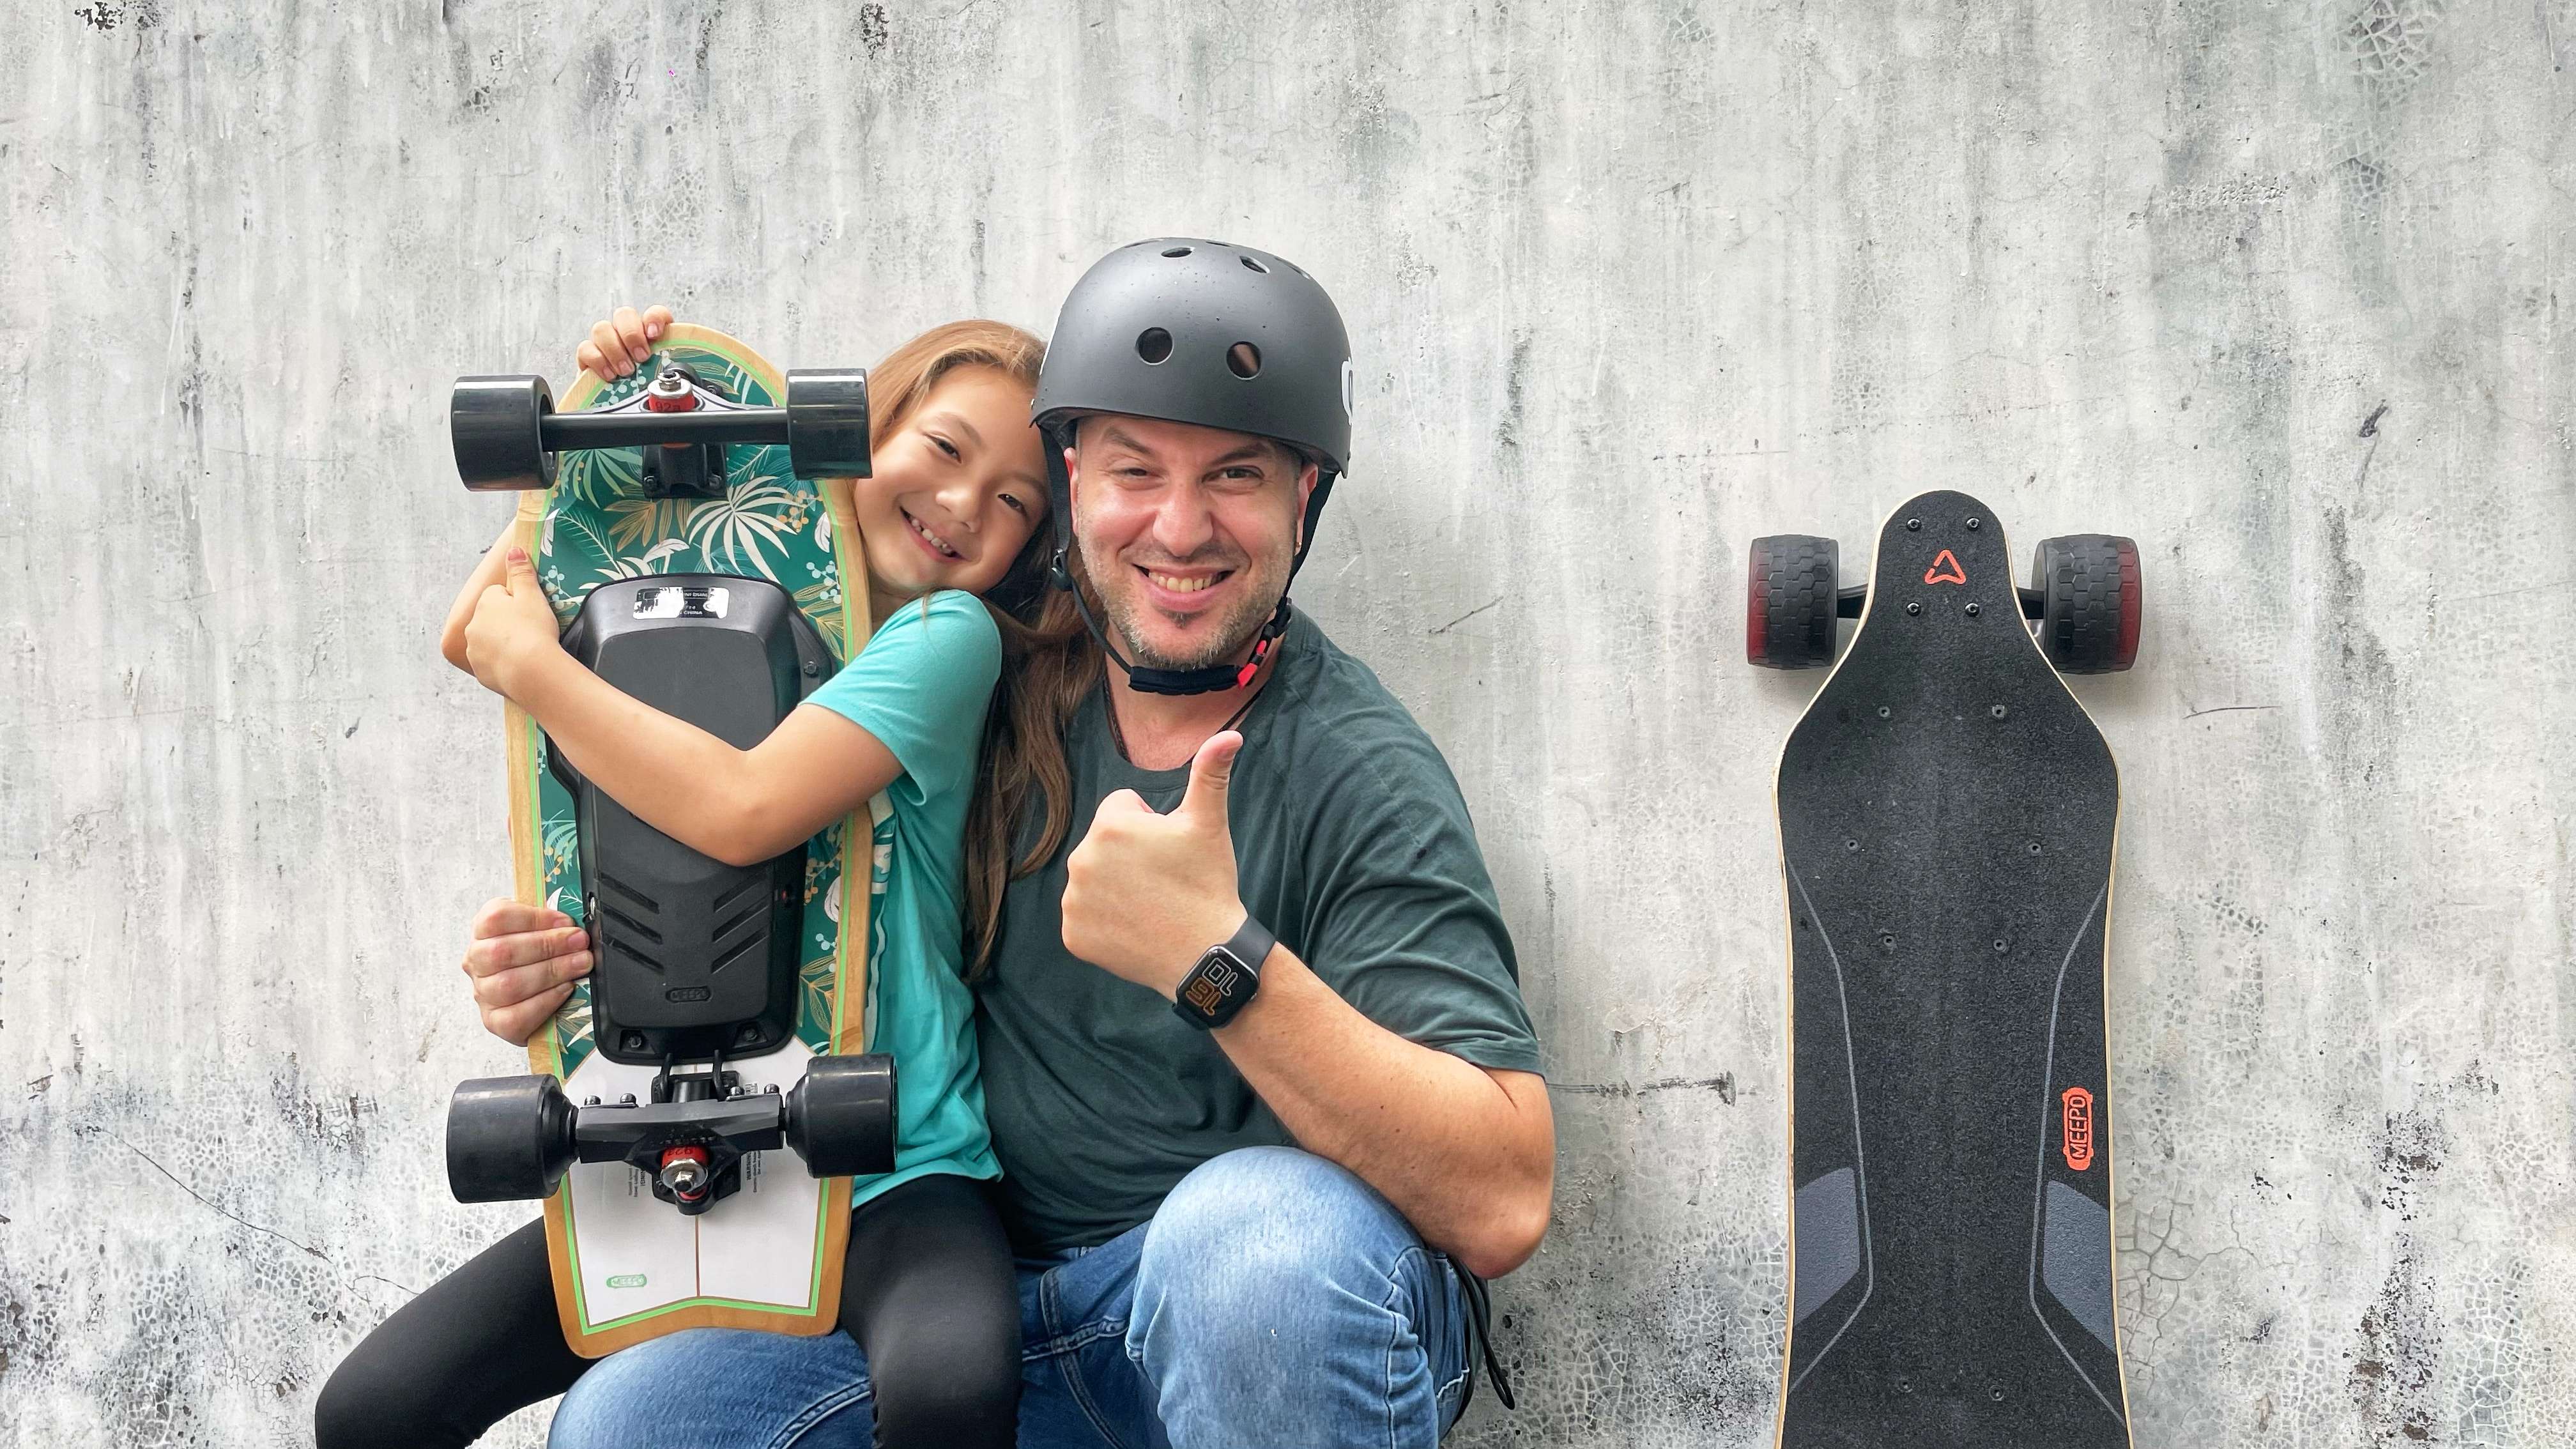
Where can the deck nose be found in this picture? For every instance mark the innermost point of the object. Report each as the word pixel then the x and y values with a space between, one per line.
pixel 1943 554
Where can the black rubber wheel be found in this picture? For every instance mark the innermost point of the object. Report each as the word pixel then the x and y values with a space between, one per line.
pixel 2090 602
pixel 509 1139
pixel 841 1118
pixel 1789 603
pixel 827 423
pixel 498 427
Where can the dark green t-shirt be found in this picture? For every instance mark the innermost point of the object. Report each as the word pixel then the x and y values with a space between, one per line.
pixel 1352 845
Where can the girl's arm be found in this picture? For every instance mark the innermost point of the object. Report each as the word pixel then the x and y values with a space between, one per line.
pixel 451 638
pixel 740 806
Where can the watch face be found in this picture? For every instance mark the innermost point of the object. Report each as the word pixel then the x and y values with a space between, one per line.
pixel 1216 979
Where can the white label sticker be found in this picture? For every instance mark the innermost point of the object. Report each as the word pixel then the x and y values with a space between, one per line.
pixel 682 602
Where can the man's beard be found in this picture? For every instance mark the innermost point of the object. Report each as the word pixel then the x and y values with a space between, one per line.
pixel 1231 635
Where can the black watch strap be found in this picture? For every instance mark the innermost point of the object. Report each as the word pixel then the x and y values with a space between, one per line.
pixel 1225 978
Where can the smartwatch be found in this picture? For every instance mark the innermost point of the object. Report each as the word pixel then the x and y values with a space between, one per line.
pixel 1225 978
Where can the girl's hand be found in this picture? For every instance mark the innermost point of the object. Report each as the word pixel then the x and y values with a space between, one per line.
pixel 512 626
pixel 617 345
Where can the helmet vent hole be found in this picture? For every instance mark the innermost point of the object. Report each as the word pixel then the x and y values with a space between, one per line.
pixel 1243 360
pixel 1176 251
pixel 1153 344
pixel 1256 266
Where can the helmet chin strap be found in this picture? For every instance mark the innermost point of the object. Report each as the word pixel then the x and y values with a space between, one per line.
pixel 1148 679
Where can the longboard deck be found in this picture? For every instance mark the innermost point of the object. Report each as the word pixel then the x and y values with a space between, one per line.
pixel 1948 815
pixel 628 1266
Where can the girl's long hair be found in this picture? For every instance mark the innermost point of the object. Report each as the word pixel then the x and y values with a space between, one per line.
pixel 1045 664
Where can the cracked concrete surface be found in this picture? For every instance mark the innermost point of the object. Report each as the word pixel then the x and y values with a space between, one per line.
pixel 2280 290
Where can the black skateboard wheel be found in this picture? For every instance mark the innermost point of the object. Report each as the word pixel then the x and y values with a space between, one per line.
pixel 841 1118
pixel 827 423
pixel 509 1139
pixel 497 425
pixel 2090 599
pixel 1789 604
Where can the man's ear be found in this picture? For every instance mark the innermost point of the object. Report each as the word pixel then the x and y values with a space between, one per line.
pixel 1072 478
pixel 1307 474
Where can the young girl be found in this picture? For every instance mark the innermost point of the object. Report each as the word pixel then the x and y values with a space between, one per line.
pixel 955 509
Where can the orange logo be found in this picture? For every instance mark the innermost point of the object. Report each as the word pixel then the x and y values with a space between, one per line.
pixel 1945 570
pixel 2078 1117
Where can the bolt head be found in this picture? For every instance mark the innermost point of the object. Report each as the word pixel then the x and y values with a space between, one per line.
pixel 1975 609
pixel 1914 608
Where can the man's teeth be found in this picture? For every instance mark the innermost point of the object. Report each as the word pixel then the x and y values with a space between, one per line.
pixel 1180 585
pixel 934 539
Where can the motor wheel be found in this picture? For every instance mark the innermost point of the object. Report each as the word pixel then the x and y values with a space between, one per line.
pixel 1790 607
pixel 2090 602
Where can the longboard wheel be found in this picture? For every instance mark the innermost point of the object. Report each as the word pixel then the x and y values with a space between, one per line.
pixel 841 1118
pixel 827 423
pixel 509 1139
pixel 1789 606
pixel 497 425
pixel 2091 598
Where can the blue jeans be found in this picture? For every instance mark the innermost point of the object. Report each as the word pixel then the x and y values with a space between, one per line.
pixel 1273 1299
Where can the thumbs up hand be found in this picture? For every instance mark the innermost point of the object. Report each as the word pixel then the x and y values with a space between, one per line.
pixel 1146 894
pixel 512 625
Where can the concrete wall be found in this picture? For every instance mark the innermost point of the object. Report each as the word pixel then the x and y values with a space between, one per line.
pixel 2283 290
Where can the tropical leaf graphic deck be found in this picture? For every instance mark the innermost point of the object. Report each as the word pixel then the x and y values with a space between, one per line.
pixel 597 526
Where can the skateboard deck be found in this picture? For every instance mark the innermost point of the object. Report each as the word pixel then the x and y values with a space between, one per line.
pixel 1948 814
pixel 627 1266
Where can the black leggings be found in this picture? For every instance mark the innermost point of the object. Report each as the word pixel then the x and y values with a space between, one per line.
pixel 927 1290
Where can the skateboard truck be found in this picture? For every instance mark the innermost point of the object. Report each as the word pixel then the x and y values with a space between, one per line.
pixel 2082 600
pixel 507 433
pixel 681 470
pixel 513 1138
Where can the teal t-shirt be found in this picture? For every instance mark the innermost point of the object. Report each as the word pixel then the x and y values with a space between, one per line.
pixel 921 686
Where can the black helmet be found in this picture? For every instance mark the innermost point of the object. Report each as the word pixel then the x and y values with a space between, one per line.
pixel 1203 332
pixel 1208 333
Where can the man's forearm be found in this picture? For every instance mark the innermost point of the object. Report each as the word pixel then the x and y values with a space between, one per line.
pixel 1467 1155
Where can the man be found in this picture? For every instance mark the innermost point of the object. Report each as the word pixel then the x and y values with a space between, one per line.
pixel 1276 929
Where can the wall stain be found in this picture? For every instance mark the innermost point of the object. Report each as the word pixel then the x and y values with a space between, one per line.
pixel 2392 1375
pixel 1723 1084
